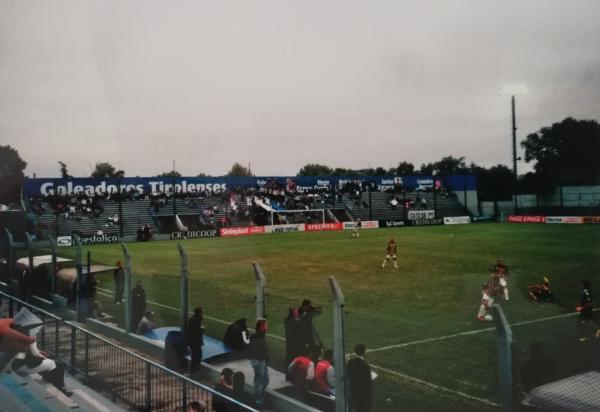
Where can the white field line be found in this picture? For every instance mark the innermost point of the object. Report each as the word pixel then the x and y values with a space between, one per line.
pixel 434 386
pixel 108 293
pixel 473 332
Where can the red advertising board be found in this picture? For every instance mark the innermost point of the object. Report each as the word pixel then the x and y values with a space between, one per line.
pixel 317 227
pixel 526 219
pixel 241 231
pixel 591 219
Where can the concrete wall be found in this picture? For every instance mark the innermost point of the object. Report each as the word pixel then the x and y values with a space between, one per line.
pixel 472 202
pixel 572 196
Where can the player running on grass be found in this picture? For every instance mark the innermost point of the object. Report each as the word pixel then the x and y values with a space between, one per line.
pixel 486 303
pixel 390 252
pixel 499 279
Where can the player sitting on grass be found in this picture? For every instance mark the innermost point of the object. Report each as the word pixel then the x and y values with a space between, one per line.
pixel 390 252
pixel 486 303
pixel 541 293
pixel 499 279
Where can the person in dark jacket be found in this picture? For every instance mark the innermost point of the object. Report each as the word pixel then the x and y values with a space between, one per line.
pixel 138 303
pixel 236 336
pixel 195 338
pixel 359 377
pixel 586 302
pixel 294 336
pixel 259 358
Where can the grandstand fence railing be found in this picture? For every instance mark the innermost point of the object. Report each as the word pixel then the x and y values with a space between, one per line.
pixel 139 382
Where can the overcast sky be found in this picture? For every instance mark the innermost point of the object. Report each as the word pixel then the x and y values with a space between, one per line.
pixel 284 83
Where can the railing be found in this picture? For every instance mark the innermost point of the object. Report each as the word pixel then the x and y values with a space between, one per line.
pixel 141 383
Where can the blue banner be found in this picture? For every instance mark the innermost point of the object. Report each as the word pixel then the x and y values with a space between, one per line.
pixel 215 185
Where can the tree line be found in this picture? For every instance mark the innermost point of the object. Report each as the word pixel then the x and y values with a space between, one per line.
pixel 566 153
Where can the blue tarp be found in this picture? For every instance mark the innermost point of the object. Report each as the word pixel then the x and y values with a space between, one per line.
pixel 212 347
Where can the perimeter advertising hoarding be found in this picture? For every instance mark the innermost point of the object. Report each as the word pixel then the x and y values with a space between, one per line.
pixel 421 214
pixel 241 231
pixel 318 227
pixel 392 223
pixel 365 224
pixel 564 219
pixel 426 222
pixel 285 228
pixel 88 240
pixel 526 219
pixel 457 220
pixel 195 234
pixel 591 219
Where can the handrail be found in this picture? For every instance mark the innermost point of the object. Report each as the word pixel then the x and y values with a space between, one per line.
pixel 130 353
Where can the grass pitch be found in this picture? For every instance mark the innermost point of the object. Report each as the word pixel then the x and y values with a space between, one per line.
pixel 405 315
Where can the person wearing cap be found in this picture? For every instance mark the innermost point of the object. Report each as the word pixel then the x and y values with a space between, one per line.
pixel 147 323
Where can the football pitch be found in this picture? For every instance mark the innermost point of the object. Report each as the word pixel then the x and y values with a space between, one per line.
pixel 418 321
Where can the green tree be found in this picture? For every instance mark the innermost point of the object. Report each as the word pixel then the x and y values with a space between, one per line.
pixel 495 183
pixel 64 173
pixel 105 169
pixel 448 165
pixel 202 175
pixel 11 174
pixel 403 169
pixel 239 170
pixel 315 169
pixel 172 173
pixel 566 153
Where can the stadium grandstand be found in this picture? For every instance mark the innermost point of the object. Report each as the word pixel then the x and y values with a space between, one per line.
pixel 123 207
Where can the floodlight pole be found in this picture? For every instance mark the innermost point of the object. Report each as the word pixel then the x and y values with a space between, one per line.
pixel 128 276
pixel 514 136
pixel 183 286
pixel 338 345
pixel 79 268
pixel 53 274
pixel 504 359
pixel 261 292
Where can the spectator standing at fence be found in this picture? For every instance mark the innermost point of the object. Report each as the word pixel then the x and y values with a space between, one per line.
pixel 197 406
pixel 310 338
pixel 119 278
pixel 236 336
pixel 324 381
pixel 294 341
pixel 195 338
pixel 138 303
pixel 359 378
pixel 259 359
pixel 224 386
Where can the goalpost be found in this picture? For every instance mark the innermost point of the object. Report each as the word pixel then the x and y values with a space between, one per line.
pixel 301 212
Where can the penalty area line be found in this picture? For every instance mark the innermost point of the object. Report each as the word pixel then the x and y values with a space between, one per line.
pixel 434 386
pixel 472 332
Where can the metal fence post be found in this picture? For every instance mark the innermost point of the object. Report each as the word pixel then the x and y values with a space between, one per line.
pixel 127 287
pixel 72 358
pixel 261 292
pixel 183 286
pixel 79 267
pixel 86 362
pixel 339 359
pixel 504 359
